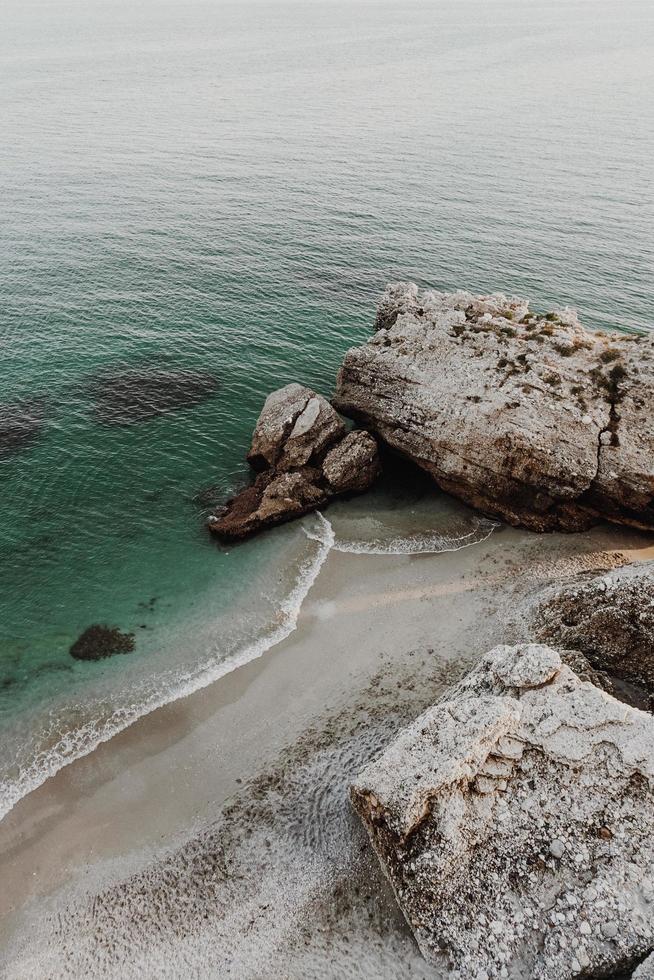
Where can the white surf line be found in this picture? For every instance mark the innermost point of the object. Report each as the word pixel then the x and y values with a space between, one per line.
pixel 425 545
pixel 80 742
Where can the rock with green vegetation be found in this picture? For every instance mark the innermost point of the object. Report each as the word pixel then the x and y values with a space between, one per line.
pixel 530 418
pixel 515 822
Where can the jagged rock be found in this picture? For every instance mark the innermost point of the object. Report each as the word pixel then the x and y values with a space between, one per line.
pixel 610 619
pixel 295 425
pixel 530 418
pixel 515 821
pixel 348 465
pixel 306 457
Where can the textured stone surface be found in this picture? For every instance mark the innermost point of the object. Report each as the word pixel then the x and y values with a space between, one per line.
pixel 305 457
pixel 646 970
pixel 610 619
pixel 516 823
pixel 530 418
pixel 348 465
pixel 295 424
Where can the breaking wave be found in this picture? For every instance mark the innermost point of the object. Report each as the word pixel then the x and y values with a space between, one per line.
pixel 424 543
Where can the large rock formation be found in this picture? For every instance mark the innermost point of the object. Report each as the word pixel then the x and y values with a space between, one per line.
pixel 530 418
pixel 515 821
pixel 306 457
pixel 610 620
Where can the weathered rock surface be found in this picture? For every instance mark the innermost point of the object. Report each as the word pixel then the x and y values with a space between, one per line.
pixel 306 457
pixel 610 619
pixel 646 970
pixel 515 821
pixel 530 418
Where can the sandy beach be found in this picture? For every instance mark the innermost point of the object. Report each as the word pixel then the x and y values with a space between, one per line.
pixel 215 836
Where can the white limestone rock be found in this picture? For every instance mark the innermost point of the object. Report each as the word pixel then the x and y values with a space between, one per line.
pixel 515 821
pixel 530 418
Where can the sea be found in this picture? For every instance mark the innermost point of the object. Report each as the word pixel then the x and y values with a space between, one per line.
pixel 201 201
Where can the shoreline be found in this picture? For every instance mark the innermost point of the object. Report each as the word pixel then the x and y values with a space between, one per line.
pixel 139 798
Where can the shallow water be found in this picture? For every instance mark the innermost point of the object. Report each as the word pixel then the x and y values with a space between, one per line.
pixel 201 202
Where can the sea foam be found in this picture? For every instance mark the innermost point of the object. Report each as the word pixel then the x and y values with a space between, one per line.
pixel 423 543
pixel 80 741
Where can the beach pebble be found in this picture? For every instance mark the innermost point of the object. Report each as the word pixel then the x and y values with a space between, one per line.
pixel 557 849
pixel 609 930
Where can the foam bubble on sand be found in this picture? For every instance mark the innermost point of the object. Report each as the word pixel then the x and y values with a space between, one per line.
pixel 64 748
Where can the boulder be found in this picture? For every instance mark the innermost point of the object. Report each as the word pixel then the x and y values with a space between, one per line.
pixel 348 465
pixel 646 970
pixel 610 619
pixel 515 822
pixel 304 456
pixel 530 418
pixel 295 425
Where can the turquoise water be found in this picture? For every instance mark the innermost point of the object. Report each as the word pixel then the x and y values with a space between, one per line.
pixel 223 190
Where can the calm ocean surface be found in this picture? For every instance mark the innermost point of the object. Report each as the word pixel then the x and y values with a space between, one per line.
pixel 199 202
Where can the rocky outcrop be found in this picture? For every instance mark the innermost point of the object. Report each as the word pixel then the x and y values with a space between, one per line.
pixel 515 821
pixel 610 620
pixel 305 457
pixel 529 418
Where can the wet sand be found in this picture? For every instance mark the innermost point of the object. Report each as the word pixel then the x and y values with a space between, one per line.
pixel 120 864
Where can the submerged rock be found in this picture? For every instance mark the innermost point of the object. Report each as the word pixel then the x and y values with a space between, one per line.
pixel 610 619
pixel 20 424
pixel 306 457
pixel 530 418
pixel 98 642
pixel 138 394
pixel 515 821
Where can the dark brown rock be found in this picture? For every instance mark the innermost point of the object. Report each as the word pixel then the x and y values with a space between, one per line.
pixel 305 458
pixel 98 642
pixel 610 620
